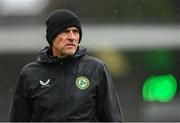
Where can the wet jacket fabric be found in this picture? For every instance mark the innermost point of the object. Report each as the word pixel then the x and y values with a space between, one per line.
pixel 77 88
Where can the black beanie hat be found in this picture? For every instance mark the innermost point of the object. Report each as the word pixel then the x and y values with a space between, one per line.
pixel 58 21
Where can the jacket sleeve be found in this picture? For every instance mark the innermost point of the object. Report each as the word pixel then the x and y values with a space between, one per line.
pixel 21 109
pixel 108 106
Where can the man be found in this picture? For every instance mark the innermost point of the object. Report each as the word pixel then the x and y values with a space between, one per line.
pixel 64 83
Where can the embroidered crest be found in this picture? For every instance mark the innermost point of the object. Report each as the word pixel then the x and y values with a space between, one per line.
pixel 82 83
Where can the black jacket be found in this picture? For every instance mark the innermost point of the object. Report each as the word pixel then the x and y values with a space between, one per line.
pixel 77 88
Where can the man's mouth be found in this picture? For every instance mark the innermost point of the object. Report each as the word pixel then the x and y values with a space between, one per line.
pixel 71 45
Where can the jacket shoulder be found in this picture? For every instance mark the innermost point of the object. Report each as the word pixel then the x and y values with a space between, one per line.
pixel 93 60
pixel 30 66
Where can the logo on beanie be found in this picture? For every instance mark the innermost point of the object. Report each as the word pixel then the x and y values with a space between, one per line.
pixel 82 83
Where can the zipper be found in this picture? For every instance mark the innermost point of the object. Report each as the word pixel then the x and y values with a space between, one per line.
pixel 61 91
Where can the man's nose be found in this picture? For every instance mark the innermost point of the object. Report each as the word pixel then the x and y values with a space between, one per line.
pixel 71 35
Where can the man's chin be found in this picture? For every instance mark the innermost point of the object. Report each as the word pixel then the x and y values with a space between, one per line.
pixel 70 53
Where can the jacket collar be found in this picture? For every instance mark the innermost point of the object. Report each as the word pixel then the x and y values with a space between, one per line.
pixel 45 55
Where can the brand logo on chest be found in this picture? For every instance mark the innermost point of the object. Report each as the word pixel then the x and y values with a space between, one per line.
pixel 44 84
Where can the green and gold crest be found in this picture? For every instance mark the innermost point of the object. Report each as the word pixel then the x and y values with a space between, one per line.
pixel 82 83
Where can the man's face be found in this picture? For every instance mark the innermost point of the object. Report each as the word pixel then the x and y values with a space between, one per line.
pixel 66 42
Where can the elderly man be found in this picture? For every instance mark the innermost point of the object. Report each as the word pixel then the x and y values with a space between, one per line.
pixel 64 83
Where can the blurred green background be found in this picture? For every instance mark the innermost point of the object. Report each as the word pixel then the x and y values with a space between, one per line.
pixel 137 39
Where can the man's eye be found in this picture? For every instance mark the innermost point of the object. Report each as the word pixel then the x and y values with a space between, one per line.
pixel 66 31
pixel 76 31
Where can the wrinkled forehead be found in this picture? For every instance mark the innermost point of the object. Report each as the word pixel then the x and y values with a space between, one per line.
pixel 71 28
